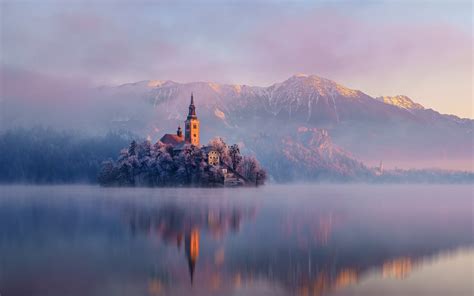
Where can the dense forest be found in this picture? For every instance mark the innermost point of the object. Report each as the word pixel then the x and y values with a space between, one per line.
pixel 147 164
pixel 44 156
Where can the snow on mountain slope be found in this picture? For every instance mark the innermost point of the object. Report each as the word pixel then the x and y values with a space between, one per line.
pixel 425 115
pixel 308 98
pixel 301 98
pixel 403 102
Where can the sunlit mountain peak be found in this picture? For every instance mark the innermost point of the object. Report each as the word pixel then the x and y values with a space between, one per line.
pixel 401 101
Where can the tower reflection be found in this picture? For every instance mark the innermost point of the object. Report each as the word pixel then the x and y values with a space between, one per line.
pixel 184 225
pixel 192 250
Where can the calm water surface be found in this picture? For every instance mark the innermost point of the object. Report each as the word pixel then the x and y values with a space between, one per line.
pixel 273 240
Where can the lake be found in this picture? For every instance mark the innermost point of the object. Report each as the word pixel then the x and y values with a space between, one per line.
pixel 272 240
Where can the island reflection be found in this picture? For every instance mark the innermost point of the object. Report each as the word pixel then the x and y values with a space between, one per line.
pixel 310 254
pixel 236 244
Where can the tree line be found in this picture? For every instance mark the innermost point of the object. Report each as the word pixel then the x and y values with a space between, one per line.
pixel 47 156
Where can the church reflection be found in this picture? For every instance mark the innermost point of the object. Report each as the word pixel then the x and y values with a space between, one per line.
pixel 176 225
pixel 192 250
pixel 398 268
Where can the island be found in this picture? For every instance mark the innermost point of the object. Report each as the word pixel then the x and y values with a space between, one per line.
pixel 180 160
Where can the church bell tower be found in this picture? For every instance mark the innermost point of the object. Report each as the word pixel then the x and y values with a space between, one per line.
pixel 191 134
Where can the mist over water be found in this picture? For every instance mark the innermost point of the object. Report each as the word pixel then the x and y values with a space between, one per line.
pixel 271 240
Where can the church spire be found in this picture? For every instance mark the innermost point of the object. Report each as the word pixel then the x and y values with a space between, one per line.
pixel 192 108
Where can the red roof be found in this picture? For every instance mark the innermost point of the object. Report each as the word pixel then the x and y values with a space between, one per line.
pixel 171 139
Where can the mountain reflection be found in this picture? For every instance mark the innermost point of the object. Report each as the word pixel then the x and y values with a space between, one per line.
pixel 95 244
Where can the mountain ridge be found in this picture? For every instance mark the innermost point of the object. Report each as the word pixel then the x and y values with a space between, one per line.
pixel 326 87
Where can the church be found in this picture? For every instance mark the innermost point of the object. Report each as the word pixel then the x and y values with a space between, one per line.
pixel 191 131
pixel 191 137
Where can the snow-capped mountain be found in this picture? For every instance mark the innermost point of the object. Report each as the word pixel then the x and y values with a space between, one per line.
pixel 400 101
pixel 301 98
pixel 395 130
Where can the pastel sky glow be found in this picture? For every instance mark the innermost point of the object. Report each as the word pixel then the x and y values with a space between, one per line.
pixel 422 49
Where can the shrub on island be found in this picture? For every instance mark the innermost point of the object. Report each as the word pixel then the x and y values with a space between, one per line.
pixel 144 164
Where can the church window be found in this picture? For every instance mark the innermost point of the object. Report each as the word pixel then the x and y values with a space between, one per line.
pixel 195 126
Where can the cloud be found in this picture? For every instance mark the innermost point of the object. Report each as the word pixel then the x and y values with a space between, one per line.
pixel 338 45
pixel 365 46
pixel 34 98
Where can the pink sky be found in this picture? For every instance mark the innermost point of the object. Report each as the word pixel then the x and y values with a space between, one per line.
pixel 422 49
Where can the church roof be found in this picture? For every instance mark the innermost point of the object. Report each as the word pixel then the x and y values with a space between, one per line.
pixel 171 139
pixel 180 146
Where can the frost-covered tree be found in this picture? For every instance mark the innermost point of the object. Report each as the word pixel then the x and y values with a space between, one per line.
pixel 132 148
pixel 190 163
pixel 108 175
pixel 144 164
pixel 249 167
pixel 235 157
pixel 220 146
